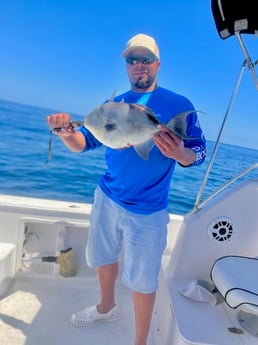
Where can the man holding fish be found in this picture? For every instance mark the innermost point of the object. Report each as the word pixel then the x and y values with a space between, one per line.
pixel 146 130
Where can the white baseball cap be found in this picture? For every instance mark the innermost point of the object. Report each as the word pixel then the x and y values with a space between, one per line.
pixel 142 41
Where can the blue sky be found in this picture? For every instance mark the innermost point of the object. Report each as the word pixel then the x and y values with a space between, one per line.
pixel 66 55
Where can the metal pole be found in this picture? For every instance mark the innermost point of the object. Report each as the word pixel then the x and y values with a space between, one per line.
pixel 232 98
pixel 249 62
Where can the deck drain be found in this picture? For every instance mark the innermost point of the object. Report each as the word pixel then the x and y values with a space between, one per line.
pixel 221 229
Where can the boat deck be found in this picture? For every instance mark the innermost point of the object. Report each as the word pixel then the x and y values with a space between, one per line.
pixel 36 307
pixel 37 310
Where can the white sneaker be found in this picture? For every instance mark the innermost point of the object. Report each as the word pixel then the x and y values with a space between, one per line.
pixel 91 314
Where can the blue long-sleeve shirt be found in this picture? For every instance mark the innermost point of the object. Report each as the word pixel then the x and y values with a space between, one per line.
pixel 138 185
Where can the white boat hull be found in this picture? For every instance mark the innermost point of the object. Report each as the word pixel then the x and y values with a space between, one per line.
pixel 37 302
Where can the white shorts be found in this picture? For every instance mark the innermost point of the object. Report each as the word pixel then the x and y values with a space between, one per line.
pixel 144 239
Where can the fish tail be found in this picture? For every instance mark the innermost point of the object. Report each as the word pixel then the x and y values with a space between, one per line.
pixel 178 124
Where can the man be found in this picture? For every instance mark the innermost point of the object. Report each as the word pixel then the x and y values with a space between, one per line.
pixel 131 200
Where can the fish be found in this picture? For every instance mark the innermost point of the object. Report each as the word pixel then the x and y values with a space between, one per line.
pixel 119 125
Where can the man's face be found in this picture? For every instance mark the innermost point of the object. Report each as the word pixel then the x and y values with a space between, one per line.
pixel 142 68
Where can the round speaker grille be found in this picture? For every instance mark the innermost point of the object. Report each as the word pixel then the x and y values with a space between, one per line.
pixel 221 229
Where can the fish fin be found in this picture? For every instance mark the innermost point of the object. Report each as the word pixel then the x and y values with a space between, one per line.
pixel 143 108
pixel 112 96
pixel 144 149
pixel 178 124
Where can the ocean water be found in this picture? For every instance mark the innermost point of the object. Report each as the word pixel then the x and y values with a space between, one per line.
pixel 73 177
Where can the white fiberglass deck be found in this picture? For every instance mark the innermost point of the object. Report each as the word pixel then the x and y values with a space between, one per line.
pixel 37 311
pixel 36 302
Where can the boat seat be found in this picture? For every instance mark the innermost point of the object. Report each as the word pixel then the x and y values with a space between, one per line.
pixel 236 279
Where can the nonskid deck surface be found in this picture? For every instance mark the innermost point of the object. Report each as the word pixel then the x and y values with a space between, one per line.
pixel 37 311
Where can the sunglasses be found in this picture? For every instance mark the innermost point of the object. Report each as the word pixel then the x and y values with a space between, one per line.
pixel 146 60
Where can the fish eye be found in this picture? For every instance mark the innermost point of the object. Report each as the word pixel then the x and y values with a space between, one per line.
pixel 110 126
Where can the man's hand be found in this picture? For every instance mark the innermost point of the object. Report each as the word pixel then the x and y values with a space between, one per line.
pixel 58 124
pixel 169 144
pixel 173 147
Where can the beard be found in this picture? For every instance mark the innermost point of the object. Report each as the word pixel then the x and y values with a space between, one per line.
pixel 144 83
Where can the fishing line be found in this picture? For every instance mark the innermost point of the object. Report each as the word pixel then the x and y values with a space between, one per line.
pixel 70 125
pixel 49 154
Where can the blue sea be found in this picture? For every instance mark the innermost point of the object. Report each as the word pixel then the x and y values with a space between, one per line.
pixel 73 177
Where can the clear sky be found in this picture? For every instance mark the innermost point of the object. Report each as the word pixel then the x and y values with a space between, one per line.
pixel 66 55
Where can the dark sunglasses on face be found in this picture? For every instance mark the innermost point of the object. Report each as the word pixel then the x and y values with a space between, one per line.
pixel 146 60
